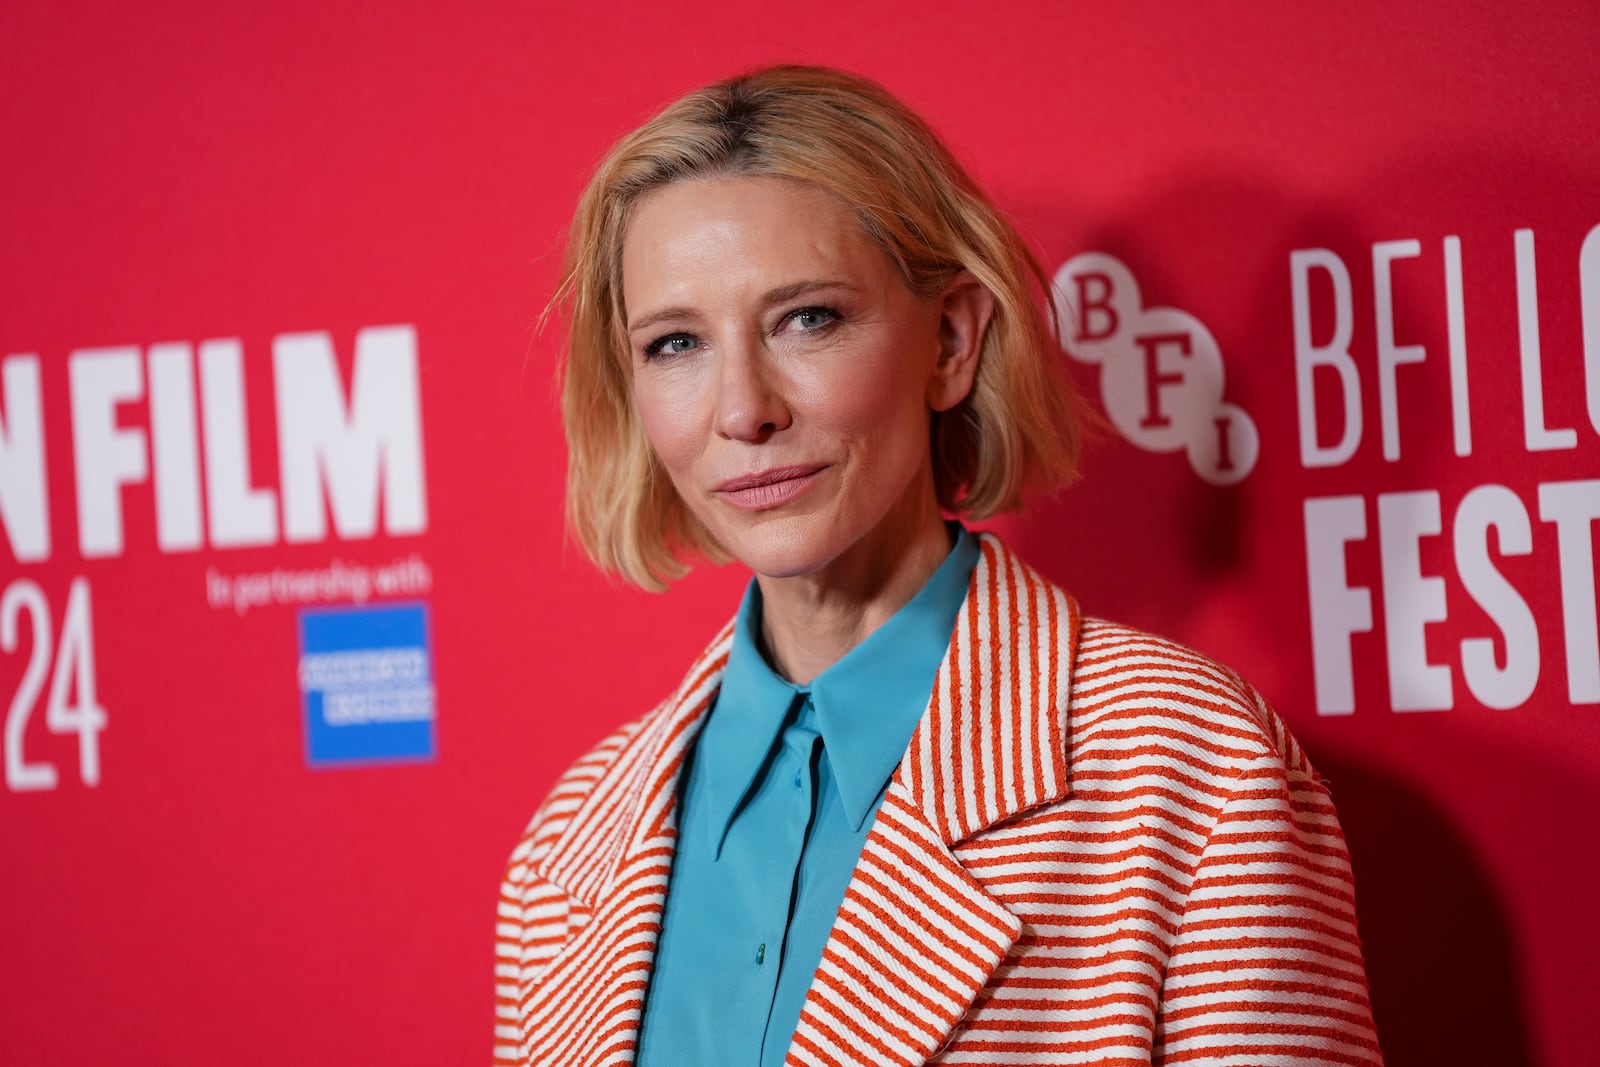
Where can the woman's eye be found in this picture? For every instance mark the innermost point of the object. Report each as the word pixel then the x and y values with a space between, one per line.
pixel 813 318
pixel 673 344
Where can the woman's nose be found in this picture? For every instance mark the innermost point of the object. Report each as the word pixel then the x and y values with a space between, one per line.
pixel 750 400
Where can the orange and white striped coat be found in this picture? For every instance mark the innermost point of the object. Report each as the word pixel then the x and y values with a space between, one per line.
pixel 1100 847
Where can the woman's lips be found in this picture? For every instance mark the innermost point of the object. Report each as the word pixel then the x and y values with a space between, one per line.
pixel 769 488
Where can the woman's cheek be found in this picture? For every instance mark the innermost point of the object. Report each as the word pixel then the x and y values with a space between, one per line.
pixel 667 412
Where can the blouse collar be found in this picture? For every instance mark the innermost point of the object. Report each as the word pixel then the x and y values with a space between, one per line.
pixel 867 704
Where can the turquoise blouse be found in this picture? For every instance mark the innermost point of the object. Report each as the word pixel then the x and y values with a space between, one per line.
pixel 774 805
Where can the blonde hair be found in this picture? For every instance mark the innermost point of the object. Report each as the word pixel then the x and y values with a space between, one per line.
pixel 1018 427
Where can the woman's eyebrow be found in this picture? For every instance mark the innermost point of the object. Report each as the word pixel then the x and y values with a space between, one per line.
pixel 780 295
pixel 663 315
pixel 798 289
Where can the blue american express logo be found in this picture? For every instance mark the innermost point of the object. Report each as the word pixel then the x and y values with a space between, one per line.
pixel 366 684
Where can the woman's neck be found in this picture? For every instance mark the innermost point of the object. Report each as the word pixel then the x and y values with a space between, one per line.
pixel 810 621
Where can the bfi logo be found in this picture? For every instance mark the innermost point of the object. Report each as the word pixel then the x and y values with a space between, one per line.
pixel 1161 373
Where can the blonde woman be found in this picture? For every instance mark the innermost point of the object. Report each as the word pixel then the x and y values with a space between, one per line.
pixel 909 806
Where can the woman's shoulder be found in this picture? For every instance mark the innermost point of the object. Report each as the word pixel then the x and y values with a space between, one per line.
pixel 1130 696
pixel 631 749
pixel 579 778
pixel 573 786
pixel 1160 696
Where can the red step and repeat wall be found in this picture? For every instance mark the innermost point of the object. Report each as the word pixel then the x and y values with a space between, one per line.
pixel 291 643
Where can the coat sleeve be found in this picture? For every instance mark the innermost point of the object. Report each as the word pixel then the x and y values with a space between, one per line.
pixel 535 918
pixel 1266 967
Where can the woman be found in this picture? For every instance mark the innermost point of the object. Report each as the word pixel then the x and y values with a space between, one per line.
pixel 909 806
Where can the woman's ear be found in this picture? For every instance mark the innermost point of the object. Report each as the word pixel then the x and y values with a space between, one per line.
pixel 964 312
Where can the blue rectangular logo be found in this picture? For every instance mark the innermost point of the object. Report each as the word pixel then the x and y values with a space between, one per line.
pixel 366 682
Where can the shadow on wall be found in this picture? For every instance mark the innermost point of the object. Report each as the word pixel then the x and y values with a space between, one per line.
pixel 1438 944
pixel 1144 540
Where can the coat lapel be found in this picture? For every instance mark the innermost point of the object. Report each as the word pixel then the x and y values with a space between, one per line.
pixel 918 936
pixel 613 860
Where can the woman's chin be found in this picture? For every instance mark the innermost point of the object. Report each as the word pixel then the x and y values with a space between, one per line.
pixel 783 562
pixel 783 549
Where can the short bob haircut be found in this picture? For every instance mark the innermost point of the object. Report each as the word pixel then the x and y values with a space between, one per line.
pixel 1020 425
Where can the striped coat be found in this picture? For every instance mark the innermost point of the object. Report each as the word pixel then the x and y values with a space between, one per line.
pixel 1099 847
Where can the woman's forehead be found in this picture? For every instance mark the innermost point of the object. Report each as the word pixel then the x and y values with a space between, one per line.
pixel 694 238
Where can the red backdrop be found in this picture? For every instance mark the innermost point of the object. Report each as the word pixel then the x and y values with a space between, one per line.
pixel 1402 203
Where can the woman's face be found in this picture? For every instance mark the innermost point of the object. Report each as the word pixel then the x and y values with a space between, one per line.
pixel 783 371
